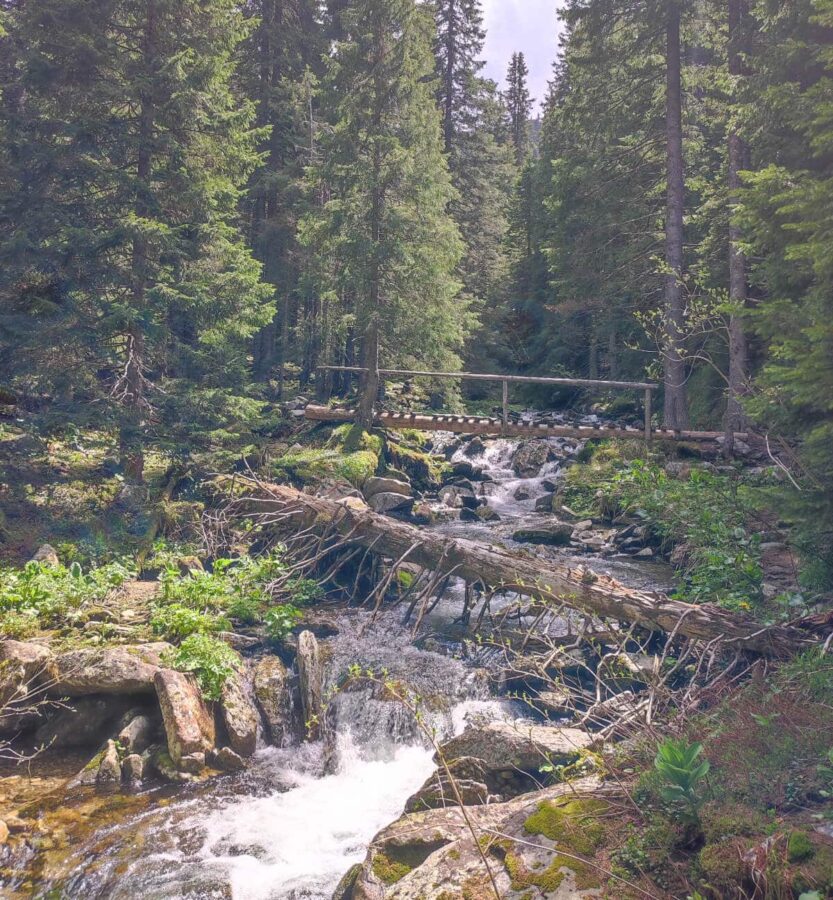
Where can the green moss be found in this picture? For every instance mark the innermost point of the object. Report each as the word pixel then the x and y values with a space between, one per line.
pixel 423 470
pixel 573 823
pixel 311 465
pixel 351 438
pixel 388 870
pixel 815 873
pixel 727 819
pixel 799 847
pixel 722 866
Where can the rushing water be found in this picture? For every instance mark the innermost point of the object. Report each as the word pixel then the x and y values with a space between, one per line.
pixel 299 817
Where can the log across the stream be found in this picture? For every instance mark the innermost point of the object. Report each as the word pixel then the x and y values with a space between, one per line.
pixel 517 572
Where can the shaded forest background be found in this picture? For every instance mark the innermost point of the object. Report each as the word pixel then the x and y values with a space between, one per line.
pixel 201 201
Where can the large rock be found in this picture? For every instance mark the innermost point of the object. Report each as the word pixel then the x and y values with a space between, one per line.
pixel 556 535
pixel 118 670
pixel 22 665
pixel 433 855
pixel 189 726
pixel 530 458
pixel 518 745
pixel 378 485
pixel 47 555
pixel 387 502
pixel 239 716
pixel 274 697
pixel 311 678
pixel 139 733
pixel 438 791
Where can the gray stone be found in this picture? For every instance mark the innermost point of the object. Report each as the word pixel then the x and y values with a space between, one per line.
pixel 109 770
pixel 85 722
pixel 133 768
pixel 193 763
pixel 139 733
pixel 272 692
pixel 22 665
pixel 189 726
pixel 47 555
pixel 544 504
pixel 469 776
pixel 239 716
pixel 379 485
pixel 117 670
pixel 311 678
pixel 556 535
pixel 388 503
pixel 530 457
pixel 226 760
pixel 518 745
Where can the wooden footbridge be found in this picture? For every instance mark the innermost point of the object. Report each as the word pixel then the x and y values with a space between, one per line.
pixel 504 427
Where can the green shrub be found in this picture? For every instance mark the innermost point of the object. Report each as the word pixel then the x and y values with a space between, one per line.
pixel 280 620
pixel 304 591
pixel 210 660
pixel 176 622
pixel 52 593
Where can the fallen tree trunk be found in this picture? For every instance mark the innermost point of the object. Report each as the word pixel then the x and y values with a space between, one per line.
pixel 516 572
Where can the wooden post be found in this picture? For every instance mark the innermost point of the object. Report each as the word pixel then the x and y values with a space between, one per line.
pixel 505 404
pixel 648 413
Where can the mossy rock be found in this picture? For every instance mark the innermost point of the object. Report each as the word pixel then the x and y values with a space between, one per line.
pixel 351 439
pixel 389 870
pixel 424 471
pixel 799 847
pixel 311 466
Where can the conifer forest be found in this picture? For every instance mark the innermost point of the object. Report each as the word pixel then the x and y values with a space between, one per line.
pixel 416 467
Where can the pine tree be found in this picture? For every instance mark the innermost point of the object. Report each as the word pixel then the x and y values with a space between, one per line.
pixel 519 103
pixel 479 157
pixel 385 230
pixel 138 150
pixel 279 64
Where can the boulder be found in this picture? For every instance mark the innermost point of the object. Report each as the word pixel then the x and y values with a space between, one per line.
pixel 108 775
pixel 379 485
pixel 4 833
pixel 239 716
pixel 556 535
pixel 422 514
pixel 133 768
pixel 544 504
pixel 22 665
pixel 274 698
pixel 530 457
pixel 518 745
pixel 554 703
pixel 475 447
pixel 469 776
pixel 226 760
pixel 139 733
pixel 47 555
pixel 487 514
pixel 189 726
pixel 117 670
pixel 344 889
pixel 464 469
pixel 161 763
pixel 387 502
pixel 522 494
pixel 433 855
pixel 311 679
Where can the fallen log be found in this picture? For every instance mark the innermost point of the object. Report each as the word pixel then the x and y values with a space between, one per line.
pixel 517 572
pixel 487 426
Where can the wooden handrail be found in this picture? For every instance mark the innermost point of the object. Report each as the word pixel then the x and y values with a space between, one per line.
pixel 506 380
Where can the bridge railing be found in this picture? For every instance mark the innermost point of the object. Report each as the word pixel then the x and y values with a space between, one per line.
pixel 506 380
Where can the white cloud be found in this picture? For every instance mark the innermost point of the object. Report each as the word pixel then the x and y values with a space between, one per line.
pixel 530 26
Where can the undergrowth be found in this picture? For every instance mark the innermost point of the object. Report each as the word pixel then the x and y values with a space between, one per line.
pixel 706 514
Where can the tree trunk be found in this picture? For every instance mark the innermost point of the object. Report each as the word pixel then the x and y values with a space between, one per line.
pixel 493 566
pixel 133 389
pixel 738 289
pixel 676 399
pixel 370 380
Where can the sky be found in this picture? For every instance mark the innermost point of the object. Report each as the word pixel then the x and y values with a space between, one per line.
pixel 527 25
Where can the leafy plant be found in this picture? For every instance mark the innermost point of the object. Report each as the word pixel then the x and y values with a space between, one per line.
pixel 211 661
pixel 304 591
pixel 52 593
pixel 177 622
pixel 280 620
pixel 677 763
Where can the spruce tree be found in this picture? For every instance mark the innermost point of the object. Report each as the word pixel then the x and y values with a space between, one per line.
pixel 385 230
pixel 519 103
pixel 137 150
